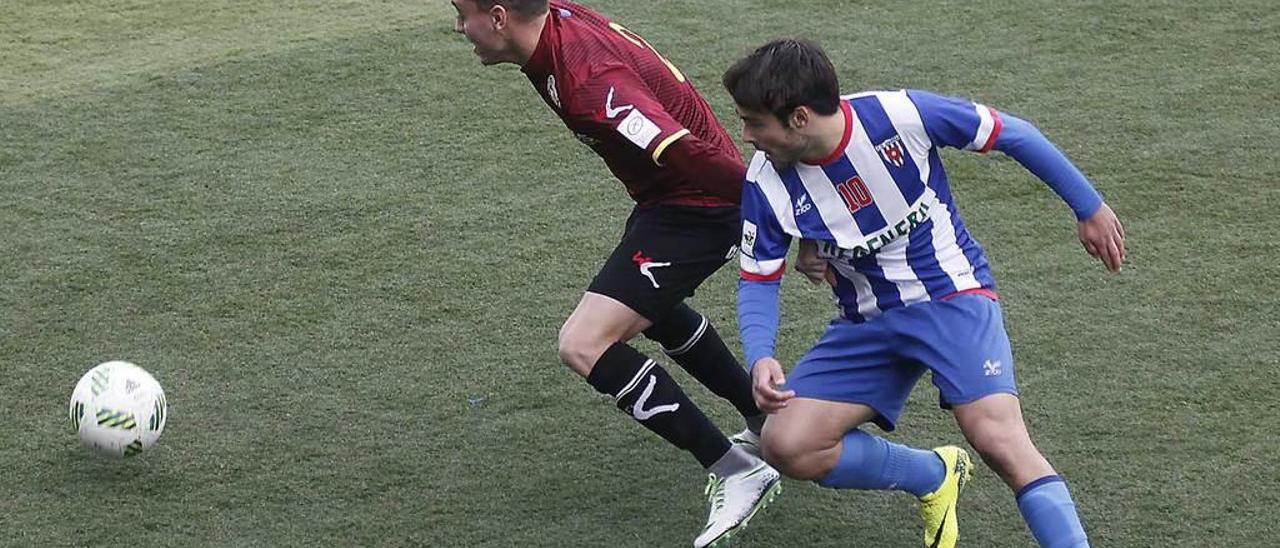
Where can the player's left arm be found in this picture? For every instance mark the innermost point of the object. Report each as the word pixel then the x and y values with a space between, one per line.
pixel 971 126
pixel 618 99
pixel 1098 227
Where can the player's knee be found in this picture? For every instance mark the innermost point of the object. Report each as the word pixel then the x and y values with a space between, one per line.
pixel 998 443
pixel 579 350
pixel 794 458
pixel 573 354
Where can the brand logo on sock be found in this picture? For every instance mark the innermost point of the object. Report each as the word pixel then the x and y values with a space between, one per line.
pixel 640 413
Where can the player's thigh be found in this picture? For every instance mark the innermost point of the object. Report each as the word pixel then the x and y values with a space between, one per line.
pixel 665 254
pixel 856 363
pixel 809 425
pixel 605 318
pixel 962 341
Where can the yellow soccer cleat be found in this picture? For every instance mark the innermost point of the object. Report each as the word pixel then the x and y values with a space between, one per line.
pixel 938 509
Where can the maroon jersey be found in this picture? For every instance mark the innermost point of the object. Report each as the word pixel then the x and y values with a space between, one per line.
pixel 629 104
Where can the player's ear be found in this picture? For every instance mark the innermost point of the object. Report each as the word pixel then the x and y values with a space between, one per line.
pixel 499 15
pixel 800 117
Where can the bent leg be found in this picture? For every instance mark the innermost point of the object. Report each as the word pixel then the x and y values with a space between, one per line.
pixel 820 441
pixel 804 439
pixel 596 324
pixel 689 338
pixel 994 426
pixel 592 343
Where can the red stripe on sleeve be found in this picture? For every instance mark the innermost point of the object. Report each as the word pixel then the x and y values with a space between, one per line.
pixel 995 131
pixel 753 277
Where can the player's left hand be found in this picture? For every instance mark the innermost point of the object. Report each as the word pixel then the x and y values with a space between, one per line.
pixel 814 268
pixel 1103 237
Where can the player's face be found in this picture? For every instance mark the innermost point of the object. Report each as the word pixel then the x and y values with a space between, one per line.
pixel 479 28
pixel 762 130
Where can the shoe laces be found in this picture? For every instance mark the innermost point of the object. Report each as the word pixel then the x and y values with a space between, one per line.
pixel 715 492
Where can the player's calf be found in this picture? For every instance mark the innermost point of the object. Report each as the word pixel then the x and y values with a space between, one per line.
pixel 642 389
pixel 1050 513
pixel 741 484
pixel 993 425
pixel 692 341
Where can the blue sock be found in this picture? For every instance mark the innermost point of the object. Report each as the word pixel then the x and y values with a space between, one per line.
pixel 870 462
pixel 1049 511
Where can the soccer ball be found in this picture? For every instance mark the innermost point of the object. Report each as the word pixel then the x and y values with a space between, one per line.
pixel 118 409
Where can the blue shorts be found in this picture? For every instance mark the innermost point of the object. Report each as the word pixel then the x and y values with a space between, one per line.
pixel 877 363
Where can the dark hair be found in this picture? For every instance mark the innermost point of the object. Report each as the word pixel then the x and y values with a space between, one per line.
pixel 523 8
pixel 782 75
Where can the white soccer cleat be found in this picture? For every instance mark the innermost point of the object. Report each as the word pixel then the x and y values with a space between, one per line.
pixel 747 440
pixel 734 500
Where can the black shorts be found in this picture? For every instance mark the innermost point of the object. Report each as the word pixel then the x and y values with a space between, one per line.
pixel 665 254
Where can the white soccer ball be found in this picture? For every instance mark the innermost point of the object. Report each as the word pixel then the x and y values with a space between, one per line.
pixel 118 409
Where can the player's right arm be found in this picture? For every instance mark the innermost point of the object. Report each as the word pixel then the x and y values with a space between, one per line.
pixel 762 257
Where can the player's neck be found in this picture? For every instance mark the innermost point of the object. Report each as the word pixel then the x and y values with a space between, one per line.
pixel 526 37
pixel 827 135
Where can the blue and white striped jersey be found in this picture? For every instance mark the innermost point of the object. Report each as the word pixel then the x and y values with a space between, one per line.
pixel 880 206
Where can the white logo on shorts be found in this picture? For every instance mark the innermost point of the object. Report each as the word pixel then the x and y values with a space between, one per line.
pixel 646 264
pixel 991 369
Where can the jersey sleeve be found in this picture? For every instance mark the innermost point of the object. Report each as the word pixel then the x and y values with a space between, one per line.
pixel 763 250
pixel 957 123
pixel 763 253
pixel 614 99
pixel 972 126
pixel 1024 143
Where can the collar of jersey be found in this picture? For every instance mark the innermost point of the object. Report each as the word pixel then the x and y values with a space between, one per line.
pixel 844 140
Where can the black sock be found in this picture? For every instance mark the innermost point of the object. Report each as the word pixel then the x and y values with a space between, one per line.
pixel 642 389
pixel 690 339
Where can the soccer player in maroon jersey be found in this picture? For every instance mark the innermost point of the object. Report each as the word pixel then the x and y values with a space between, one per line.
pixel 659 137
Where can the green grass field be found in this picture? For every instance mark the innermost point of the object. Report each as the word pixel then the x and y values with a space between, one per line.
pixel 345 249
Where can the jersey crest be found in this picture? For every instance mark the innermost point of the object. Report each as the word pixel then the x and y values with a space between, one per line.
pixel 891 151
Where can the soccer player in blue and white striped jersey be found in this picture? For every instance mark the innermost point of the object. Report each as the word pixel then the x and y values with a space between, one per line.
pixel 860 177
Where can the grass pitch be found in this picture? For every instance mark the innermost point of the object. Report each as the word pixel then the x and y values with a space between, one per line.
pixel 345 249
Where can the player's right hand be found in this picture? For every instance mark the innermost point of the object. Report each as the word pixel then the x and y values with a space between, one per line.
pixel 766 378
pixel 813 267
